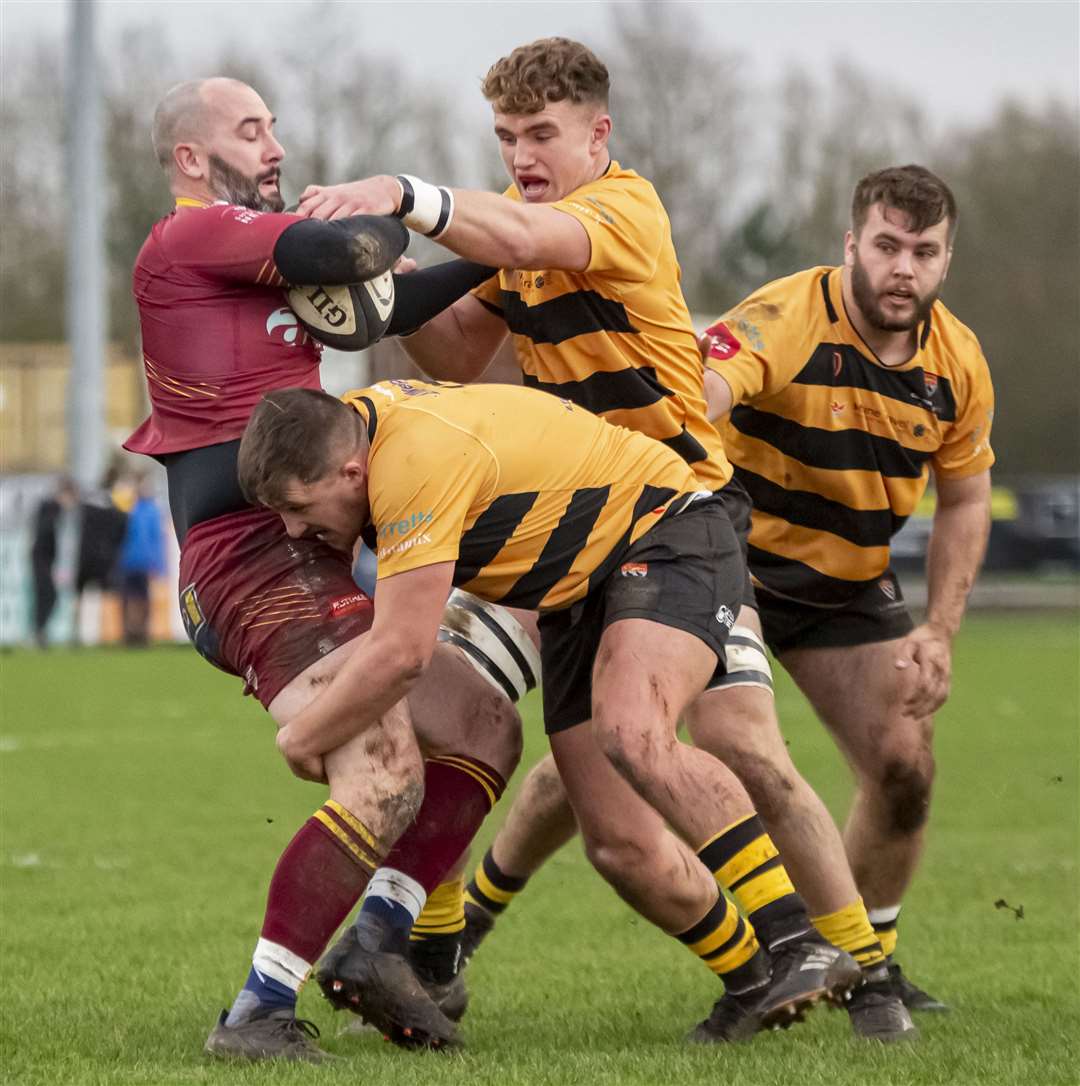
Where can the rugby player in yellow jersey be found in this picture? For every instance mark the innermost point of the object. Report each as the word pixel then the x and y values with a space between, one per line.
pixel 637 573
pixel 852 385
pixel 590 291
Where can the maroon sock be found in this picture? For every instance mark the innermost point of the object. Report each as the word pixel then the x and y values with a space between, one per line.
pixel 319 878
pixel 458 793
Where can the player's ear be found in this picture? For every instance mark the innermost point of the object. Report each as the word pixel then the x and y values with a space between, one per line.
pixel 189 160
pixel 601 132
pixel 849 248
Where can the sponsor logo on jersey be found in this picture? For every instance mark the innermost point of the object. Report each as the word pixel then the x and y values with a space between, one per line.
pixel 888 588
pixel 722 344
pixel 405 525
pixel 404 545
pixel 837 364
pixel 251 680
pixel 634 569
pixel 930 380
pixel 725 617
pixel 836 407
pixel 348 605
pixel 283 318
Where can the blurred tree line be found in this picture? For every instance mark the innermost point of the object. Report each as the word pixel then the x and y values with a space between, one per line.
pixel 757 181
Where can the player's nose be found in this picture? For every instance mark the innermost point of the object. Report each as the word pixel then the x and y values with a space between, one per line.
pixel 294 526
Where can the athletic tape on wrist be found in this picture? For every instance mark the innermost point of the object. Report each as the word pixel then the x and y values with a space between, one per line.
pixel 427 209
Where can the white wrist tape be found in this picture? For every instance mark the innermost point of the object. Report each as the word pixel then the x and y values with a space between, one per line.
pixel 427 209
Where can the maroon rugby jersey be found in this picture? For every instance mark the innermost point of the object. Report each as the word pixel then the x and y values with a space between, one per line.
pixel 217 331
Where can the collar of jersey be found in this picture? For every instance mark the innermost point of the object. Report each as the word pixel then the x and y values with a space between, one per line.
pixel 190 201
pixel 852 333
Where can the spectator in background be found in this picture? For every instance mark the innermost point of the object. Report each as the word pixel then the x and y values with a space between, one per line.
pixel 102 528
pixel 43 551
pixel 142 556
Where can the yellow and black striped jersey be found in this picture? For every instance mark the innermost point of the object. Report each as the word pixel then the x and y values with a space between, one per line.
pixel 533 498
pixel 835 447
pixel 616 338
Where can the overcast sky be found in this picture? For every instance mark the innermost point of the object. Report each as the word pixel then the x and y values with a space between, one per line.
pixel 958 60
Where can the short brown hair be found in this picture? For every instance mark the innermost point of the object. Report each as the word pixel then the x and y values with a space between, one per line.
pixel 914 190
pixel 294 434
pixel 548 70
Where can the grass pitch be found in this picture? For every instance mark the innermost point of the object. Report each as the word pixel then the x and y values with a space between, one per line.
pixel 144 807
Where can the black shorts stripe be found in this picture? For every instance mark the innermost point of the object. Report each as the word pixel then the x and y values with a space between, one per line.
pixel 510 884
pixel 482 658
pixel 768 865
pixel 904 386
pixel 687 446
pixel 839 450
pixel 706 924
pixel 561 548
pixel 717 853
pixel 504 638
pixel 489 534
pixel 863 527
pixel 623 390
pixel 579 313
pixel 651 497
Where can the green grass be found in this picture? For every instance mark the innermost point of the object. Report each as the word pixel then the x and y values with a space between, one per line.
pixel 143 809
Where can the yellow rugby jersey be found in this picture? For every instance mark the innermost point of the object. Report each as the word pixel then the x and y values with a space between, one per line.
pixel 835 447
pixel 616 338
pixel 533 498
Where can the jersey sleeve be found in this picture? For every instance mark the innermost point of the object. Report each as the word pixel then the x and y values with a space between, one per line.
pixel 752 349
pixel 227 242
pixel 966 449
pixel 424 480
pixel 625 223
pixel 489 294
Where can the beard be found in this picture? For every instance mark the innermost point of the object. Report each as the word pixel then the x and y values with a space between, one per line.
pixel 232 185
pixel 867 301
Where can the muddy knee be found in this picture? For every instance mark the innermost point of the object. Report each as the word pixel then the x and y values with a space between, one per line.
pixel 904 785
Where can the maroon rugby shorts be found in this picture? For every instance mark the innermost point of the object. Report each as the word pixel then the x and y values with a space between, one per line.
pixel 262 606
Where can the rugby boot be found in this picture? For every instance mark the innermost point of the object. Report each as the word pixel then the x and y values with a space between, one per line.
pixel 478 922
pixel 437 963
pixel 806 971
pixel 914 998
pixel 365 973
pixel 276 1034
pixel 878 1014
pixel 733 1018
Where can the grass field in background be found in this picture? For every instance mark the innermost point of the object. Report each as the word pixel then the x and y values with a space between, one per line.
pixel 144 806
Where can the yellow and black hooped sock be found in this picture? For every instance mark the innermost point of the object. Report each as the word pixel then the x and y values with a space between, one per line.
pixel 726 943
pixel 491 888
pixel 746 863
pixel 443 913
pixel 849 929
pixel 884 921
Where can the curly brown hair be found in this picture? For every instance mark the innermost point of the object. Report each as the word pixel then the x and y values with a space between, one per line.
pixel 548 70
pixel 914 190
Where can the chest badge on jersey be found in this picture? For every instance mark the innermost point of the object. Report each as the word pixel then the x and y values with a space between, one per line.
pixel 722 343
pixel 634 569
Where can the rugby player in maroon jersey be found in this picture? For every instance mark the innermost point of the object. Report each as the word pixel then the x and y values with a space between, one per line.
pixel 284 613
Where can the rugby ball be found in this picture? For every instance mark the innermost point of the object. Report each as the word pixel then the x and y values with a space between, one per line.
pixel 348 318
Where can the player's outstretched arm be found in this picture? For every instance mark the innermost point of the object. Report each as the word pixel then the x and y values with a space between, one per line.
pixel 388 660
pixel 957 544
pixel 481 226
pixel 459 344
pixel 348 250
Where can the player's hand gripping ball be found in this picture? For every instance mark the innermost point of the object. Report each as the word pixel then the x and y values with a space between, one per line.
pixel 348 318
